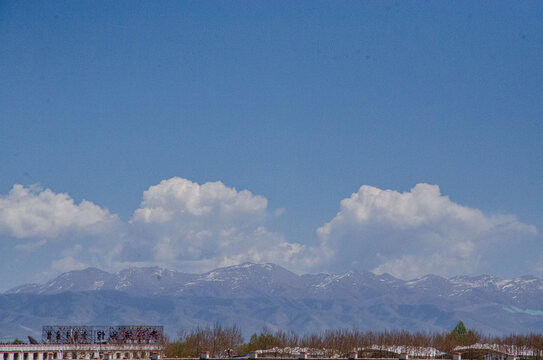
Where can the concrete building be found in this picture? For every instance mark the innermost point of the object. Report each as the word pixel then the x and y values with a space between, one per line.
pixel 79 351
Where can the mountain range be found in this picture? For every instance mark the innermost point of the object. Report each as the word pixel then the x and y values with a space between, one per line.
pixel 256 295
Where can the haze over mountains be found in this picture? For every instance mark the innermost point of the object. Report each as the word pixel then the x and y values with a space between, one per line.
pixel 254 295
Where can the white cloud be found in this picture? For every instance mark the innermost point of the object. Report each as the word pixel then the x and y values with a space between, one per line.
pixel 179 197
pixel 31 246
pixel 194 227
pixel 180 224
pixel 28 212
pixel 414 233
pixel 186 224
pixel 67 263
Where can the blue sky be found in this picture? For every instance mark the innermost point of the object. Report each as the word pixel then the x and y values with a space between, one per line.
pixel 298 103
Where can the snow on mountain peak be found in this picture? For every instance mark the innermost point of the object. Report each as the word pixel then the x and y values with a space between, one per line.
pixel 249 279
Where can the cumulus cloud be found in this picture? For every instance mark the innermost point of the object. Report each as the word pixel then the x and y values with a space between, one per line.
pixel 28 212
pixel 413 233
pixel 179 197
pixel 67 263
pixel 194 227
pixel 180 224
pixel 203 226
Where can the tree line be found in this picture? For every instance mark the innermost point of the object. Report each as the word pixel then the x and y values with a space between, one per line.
pixel 222 341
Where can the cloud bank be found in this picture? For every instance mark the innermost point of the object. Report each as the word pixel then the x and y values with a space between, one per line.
pixel 188 226
pixel 28 212
pixel 414 233
pixel 203 226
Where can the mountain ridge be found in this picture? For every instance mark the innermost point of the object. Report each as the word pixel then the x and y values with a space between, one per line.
pixel 124 279
pixel 256 295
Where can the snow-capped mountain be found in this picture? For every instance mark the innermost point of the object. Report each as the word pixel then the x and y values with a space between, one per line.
pixel 254 295
pixel 239 280
pixel 77 280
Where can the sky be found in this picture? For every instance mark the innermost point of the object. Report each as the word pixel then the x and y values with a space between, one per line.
pixel 389 136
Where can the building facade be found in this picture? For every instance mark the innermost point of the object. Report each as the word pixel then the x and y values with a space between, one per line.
pixel 80 351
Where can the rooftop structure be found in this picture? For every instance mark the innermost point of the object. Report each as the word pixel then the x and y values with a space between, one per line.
pixel 122 334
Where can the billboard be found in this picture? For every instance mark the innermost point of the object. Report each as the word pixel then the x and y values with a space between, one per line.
pixel 118 334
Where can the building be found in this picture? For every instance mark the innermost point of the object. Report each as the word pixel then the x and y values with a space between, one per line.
pixel 79 351
pixel 90 342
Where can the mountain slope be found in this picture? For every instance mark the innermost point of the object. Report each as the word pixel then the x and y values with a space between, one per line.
pixel 254 295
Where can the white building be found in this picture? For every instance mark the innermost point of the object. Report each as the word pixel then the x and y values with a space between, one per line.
pixel 79 351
